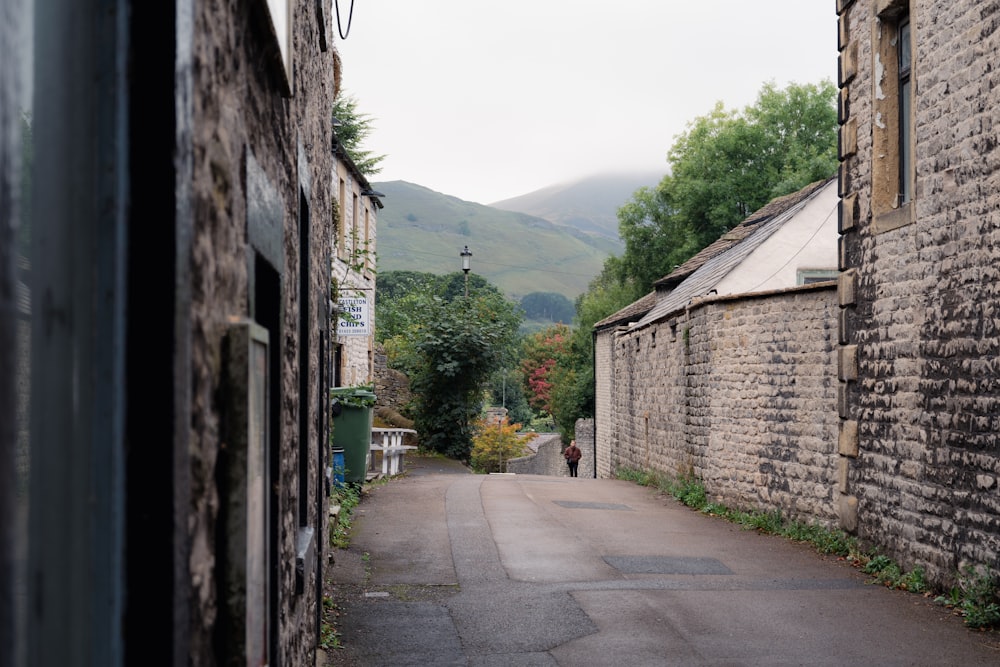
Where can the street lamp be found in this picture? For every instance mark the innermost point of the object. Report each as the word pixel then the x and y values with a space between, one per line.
pixel 466 265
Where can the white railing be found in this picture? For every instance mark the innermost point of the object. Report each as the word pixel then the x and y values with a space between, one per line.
pixel 389 441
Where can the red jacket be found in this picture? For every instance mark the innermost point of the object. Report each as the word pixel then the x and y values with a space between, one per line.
pixel 573 453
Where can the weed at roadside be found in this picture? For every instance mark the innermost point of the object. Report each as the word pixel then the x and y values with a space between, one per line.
pixel 976 598
pixel 347 496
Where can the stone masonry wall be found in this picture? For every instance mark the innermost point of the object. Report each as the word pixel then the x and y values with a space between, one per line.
pixel 354 274
pixel 240 112
pixel 603 397
pixel 761 401
pixel 740 392
pixel 920 327
pixel 585 433
pixel 392 388
pixel 548 460
pixel 646 422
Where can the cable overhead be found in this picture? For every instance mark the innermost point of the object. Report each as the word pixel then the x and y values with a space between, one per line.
pixel 350 18
pixel 797 252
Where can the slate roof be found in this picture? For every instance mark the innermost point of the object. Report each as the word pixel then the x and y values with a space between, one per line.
pixel 630 313
pixel 714 262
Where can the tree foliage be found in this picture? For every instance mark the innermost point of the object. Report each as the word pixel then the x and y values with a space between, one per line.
pixel 450 346
pixel 402 302
pixel 541 354
pixel 656 240
pixel 495 444
pixel 352 128
pixel 572 396
pixel 550 306
pixel 725 166
pixel 506 390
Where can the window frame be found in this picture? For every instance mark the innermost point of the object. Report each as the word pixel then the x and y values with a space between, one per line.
pixel 893 146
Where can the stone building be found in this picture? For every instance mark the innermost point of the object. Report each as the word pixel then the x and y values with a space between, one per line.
pixel 353 266
pixel 727 370
pixel 873 407
pixel 169 230
pixel 919 295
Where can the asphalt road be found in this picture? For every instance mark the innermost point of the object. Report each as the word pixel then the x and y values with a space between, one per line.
pixel 450 568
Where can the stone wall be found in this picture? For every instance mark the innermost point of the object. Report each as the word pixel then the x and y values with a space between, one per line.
pixel 547 460
pixel 245 125
pixel 740 391
pixel 920 296
pixel 585 440
pixel 604 433
pixel 392 388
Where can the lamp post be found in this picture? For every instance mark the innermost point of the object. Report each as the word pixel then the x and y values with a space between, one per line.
pixel 466 265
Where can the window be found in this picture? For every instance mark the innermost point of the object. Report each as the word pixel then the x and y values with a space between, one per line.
pixel 367 247
pixel 810 276
pixel 342 221
pixel 892 130
pixel 904 58
pixel 355 232
pixel 305 271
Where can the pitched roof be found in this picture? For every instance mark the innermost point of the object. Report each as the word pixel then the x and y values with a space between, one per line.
pixel 630 313
pixel 738 233
pixel 734 246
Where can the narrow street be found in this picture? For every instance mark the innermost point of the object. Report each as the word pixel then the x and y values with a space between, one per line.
pixel 450 568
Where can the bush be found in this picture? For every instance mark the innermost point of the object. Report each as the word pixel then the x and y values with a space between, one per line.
pixel 495 444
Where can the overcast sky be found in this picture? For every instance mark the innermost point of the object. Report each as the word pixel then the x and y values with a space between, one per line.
pixel 491 99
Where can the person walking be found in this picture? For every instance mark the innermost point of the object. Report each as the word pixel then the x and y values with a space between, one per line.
pixel 573 455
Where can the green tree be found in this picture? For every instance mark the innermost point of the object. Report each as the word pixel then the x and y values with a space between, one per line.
pixel 394 285
pixel 450 355
pixel 352 128
pixel 572 396
pixel 400 304
pixel 725 166
pixel 550 306
pixel 506 389
pixel 453 285
pixel 656 240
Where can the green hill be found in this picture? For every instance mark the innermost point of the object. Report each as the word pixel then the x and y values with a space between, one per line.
pixel 423 230
pixel 589 204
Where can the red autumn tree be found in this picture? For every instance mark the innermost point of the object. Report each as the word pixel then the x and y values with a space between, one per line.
pixel 543 352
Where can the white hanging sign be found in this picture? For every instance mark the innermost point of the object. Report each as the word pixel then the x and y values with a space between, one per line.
pixel 353 316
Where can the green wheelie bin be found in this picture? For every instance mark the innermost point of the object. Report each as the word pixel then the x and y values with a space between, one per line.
pixel 352 409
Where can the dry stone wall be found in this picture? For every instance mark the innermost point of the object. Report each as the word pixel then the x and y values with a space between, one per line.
pixel 392 388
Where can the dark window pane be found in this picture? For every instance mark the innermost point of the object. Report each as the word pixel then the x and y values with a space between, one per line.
pixel 904 48
pixel 905 134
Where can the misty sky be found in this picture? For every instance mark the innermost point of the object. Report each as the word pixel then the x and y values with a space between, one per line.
pixel 490 99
